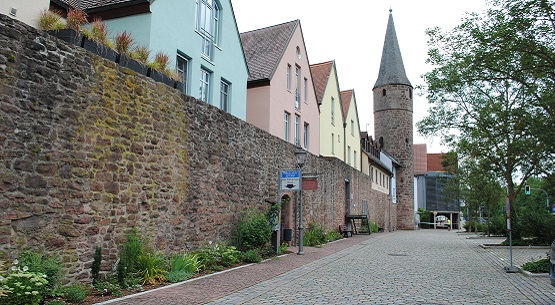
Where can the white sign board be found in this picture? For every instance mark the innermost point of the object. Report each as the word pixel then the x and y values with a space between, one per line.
pixel 290 180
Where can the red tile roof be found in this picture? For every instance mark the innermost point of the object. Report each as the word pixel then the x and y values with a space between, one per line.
pixel 320 76
pixel 434 163
pixel 345 102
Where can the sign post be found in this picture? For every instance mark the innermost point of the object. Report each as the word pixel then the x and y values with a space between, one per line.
pixel 511 268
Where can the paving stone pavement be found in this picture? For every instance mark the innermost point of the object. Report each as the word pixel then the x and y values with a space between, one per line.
pixel 403 267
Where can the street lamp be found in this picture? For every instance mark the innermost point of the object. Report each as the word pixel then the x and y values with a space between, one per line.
pixel 300 154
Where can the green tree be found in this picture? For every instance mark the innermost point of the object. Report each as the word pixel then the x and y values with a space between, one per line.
pixel 492 89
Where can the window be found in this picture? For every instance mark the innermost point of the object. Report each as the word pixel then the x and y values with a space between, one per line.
pixel 355 158
pixel 305 89
pixel 349 154
pixel 305 135
pixel 286 119
pixel 182 68
pixel 297 87
pixel 224 95
pixel 289 77
pixel 297 130
pixel 332 111
pixel 205 85
pixel 332 144
pixel 352 128
pixel 208 23
pixel 383 92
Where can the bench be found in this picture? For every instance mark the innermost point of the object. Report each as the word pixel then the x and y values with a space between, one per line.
pixel 343 230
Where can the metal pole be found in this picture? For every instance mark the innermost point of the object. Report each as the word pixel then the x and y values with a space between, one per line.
pixel 301 251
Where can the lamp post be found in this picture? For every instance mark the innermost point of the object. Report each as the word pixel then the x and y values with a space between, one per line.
pixel 300 154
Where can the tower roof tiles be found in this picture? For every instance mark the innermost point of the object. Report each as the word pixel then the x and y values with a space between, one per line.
pixel 392 70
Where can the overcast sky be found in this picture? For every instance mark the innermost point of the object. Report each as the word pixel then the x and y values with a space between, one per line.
pixel 352 32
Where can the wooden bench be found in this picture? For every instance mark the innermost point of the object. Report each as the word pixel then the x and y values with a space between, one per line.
pixel 343 230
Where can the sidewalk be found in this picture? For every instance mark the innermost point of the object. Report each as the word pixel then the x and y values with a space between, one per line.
pixel 403 267
pixel 207 288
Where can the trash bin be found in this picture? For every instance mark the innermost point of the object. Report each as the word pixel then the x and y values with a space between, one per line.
pixel 552 264
pixel 287 234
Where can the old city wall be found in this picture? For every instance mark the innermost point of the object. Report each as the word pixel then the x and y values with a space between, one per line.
pixel 89 150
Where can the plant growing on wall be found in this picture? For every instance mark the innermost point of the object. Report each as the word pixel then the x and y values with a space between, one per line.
pixel 124 41
pixel 141 54
pixel 98 32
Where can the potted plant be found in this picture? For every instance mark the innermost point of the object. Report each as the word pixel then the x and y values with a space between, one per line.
pixel 96 41
pixel 70 31
pixel 159 71
pixel 124 42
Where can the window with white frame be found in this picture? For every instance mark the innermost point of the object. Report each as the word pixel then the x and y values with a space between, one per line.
pixel 182 68
pixel 305 135
pixel 225 89
pixel 289 77
pixel 297 87
pixel 333 111
pixel 286 119
pixel 205 85
pixel 208 25
pixel 297 130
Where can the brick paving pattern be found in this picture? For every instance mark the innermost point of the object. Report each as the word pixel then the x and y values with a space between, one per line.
pixel 404 267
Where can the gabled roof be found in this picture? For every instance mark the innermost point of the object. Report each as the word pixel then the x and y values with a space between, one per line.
pixel 320 76
pixel 265 47
pixel 392 70
pixel 346 97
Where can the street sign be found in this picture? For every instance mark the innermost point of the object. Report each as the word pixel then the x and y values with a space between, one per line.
pixel 290 180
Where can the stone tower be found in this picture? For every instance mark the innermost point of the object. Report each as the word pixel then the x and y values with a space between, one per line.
pixel 393 122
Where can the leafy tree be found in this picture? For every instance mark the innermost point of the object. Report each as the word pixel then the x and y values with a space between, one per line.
pixel 492 90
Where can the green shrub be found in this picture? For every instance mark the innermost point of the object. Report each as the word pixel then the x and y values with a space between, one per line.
pixel 47 264
pixel 254 231
pixel 538 226
pixel 541 266
pixel 251 256
pixel 55 302
pixel 215 257
pixel 333 235
pixel 374 227
pixel 283 248
pixel 97 261
pixel 182 267
pixel 131 250
pixel 23 287
pixel 151 267
pixel 76 292
pixel 314 235
pixel 229 255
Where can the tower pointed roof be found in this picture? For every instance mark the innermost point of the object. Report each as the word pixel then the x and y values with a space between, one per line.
pixel 392 70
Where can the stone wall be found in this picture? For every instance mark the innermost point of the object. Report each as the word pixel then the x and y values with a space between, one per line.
pixel 89 150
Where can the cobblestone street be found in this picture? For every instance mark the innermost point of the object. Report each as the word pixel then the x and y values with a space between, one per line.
pixel 404 267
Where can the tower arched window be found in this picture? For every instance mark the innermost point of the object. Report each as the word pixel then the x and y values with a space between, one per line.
pixel 383 92
pixel 410 93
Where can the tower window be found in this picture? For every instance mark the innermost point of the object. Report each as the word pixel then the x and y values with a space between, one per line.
pixel 383 92
pixel 410 93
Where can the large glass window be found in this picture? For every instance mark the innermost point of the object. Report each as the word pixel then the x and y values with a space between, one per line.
pixel 286 119
pixel 205 85
pixel 182 68
pixel 225 95
pixel 208 25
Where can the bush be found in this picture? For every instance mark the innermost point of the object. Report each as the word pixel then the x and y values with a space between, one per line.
pixel 251 256
pixel 254 232
pixel 374 227
pixel 76 292
pixel 314 235
pixel 182 267
pixel 333 235
pixel 46 264
pixel 23 287
pixel 95 267
pixel 131 250
pixel 151 267
pixel 538 226
pixel 541 266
